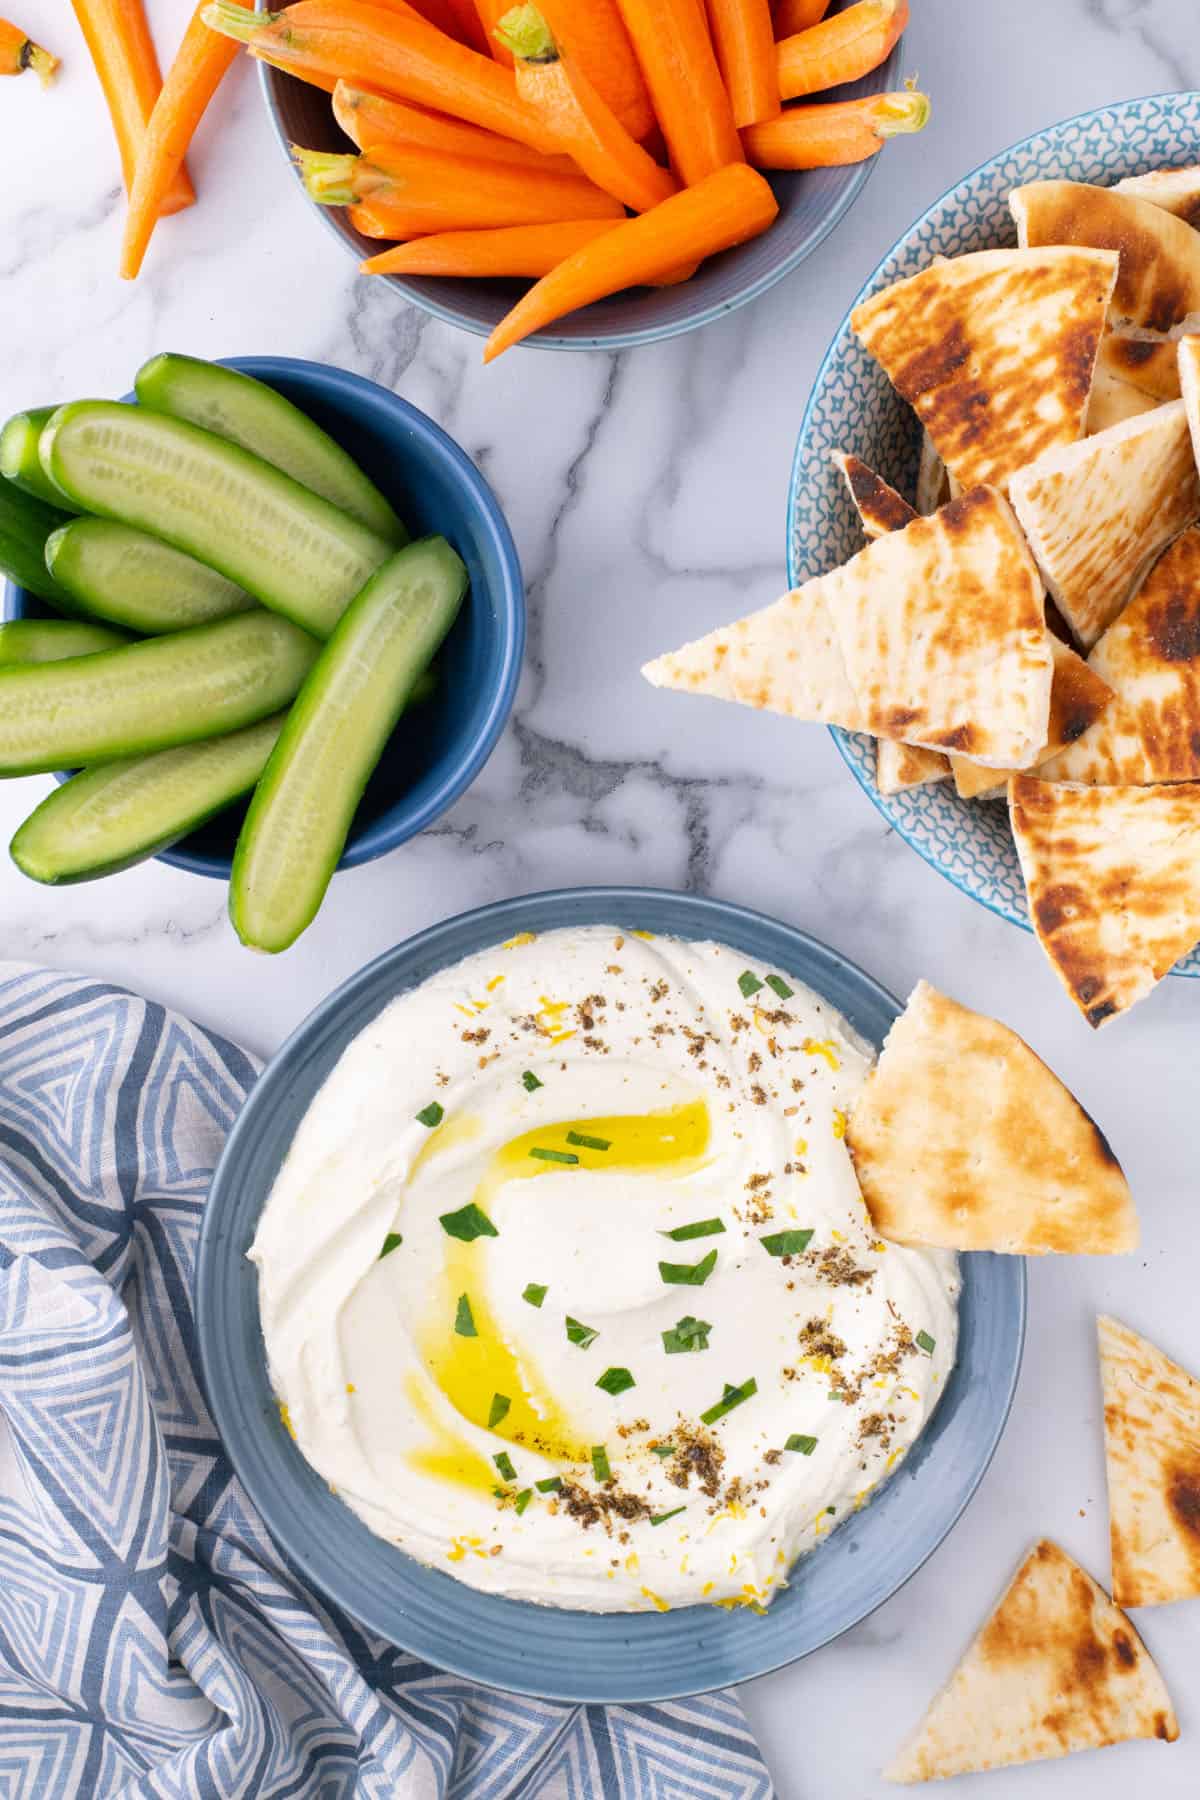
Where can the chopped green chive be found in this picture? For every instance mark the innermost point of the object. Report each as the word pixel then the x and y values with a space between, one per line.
pixel 786 1243
pixel 535 1293
pixel 522 1501
pixel 661 1518
pixel 616 1381
pixel 688 1274
pixel 530 1082
pixel 498 1410
pixel 663 1450
pixel 464 1323
pixel 748 983
pixel 468 1223
pixel 686 1334
pixel 926 1343
pixel 733 1396
pixel 780 986
pixel 551 1484
pixel 431 1115
pixel 804 1446
pixel 588 1143
pixel 702 1228
pixel 583 1335
pixel 504 1463
pixel 831 1509
pixel 600 1468
pixel 561 1156
pixel 390 1242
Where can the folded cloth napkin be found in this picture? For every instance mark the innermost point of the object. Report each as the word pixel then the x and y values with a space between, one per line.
pixel 153 1641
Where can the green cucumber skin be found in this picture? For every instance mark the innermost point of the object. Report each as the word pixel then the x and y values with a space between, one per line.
pixel 19 459
pixel 53 640
pixel 107 819
pixel 288 547
pixel 25 524
pixel 250 413
pixel 118 573
pixel 304 805
pixel 151 695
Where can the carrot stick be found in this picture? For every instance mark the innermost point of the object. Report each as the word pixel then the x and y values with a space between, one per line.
pixel 119 43
pixel 369 120
pixel 424 190
pixel 490 12
pixel 457 18
pixel 842 48
pixel 365 221
pixel 725 209
pixel 193 78
pixel 845 131
pixel 797 15
pixel 584 124
pixel 18 52
pixel 672 44
pixel 744 40
pixel 529 250
pixel 397 51
pixel 595 38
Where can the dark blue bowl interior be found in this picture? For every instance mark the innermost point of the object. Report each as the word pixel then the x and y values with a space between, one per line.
pixel 439 747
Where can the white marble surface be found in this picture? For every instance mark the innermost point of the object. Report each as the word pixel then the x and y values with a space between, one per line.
pixel 647 495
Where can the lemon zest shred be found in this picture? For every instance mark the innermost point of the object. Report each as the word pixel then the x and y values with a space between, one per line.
pixel 522 937
pixel 656 1600
pixel 821 1047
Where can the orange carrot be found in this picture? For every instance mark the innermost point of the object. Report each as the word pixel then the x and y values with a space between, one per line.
pixel 725 209
pixel 744 40
pixel 584 124
pixel 457 18
pixel 365 221
pixel 595 38
pixel 844 131
pixel 425 190
pixel 119 43
pixel 842 48
pixel 797 15
pixel 200 65
pixel 397 51
pixel 489 12
pixel 371 119
pixel 18 52
pixel 530 250
pixel 672 44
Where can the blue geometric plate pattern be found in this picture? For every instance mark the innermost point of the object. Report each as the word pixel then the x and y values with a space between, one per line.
pixel 854 407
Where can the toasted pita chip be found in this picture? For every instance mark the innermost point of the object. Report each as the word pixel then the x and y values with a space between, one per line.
pixel 933 483
pixel 899 767
pixel 1113 878
pixel 1097 513
pixel 1188 354
pixel 1150 658
pixel 1057 1668
pixel 1112 401
pixel 995 351
pixel 963 1139
pixel 879 506
pixel 1158 284
pixel 1152 1454
pixel 1142 359
pixel 934 635
pixel 1175 190
pixel 1078 697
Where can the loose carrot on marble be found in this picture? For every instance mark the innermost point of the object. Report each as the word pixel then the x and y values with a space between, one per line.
pixel 371 119
pixel 671 41
pixel 528 250
pixel 595 38
pixel 840 131
pixel 18 52
pixel 726 208
pixel 841 48
pixel 744 39
pixel 581 120
pixel 397 51
pixel 200 65
pixel 797 15
pixel 119 43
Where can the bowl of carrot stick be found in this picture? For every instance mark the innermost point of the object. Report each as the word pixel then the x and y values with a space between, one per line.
pixel 580 174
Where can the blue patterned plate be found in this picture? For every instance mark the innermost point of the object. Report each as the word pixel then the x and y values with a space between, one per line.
pixel 854 407
pixel 510 1644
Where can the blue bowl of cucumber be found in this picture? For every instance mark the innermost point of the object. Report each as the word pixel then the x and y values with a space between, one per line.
pixel 269 611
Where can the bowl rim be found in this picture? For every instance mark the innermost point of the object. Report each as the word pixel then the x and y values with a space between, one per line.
pixel 878 800
pixel 215 1302
pixel 614 340
pixel 508 597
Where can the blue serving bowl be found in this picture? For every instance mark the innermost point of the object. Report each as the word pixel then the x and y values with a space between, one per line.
pixel 811 203
pixel 511 1644
pixel 854 407
pixel 438 748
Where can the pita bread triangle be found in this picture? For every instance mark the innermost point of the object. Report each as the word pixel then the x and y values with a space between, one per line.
pixel 1056 1668
pixel 1152 1453
pixel 995 351
pixel 1188 354
pixel 899 767
pixel 934 635
pixel 1097 513
pixel 1113 879
pixel 1158 282
pixel 963 1139
pixel 1144 360
pixel 1150 658
pixel 1175 190
pixel 1113 400
pixel 1079 696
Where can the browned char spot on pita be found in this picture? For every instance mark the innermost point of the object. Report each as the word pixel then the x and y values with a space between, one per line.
pixel 875 499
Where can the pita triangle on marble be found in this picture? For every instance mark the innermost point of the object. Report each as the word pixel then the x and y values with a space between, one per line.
pixel 1152 1454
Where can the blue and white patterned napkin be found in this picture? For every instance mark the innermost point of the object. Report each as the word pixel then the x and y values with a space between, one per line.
pixel 153 1642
